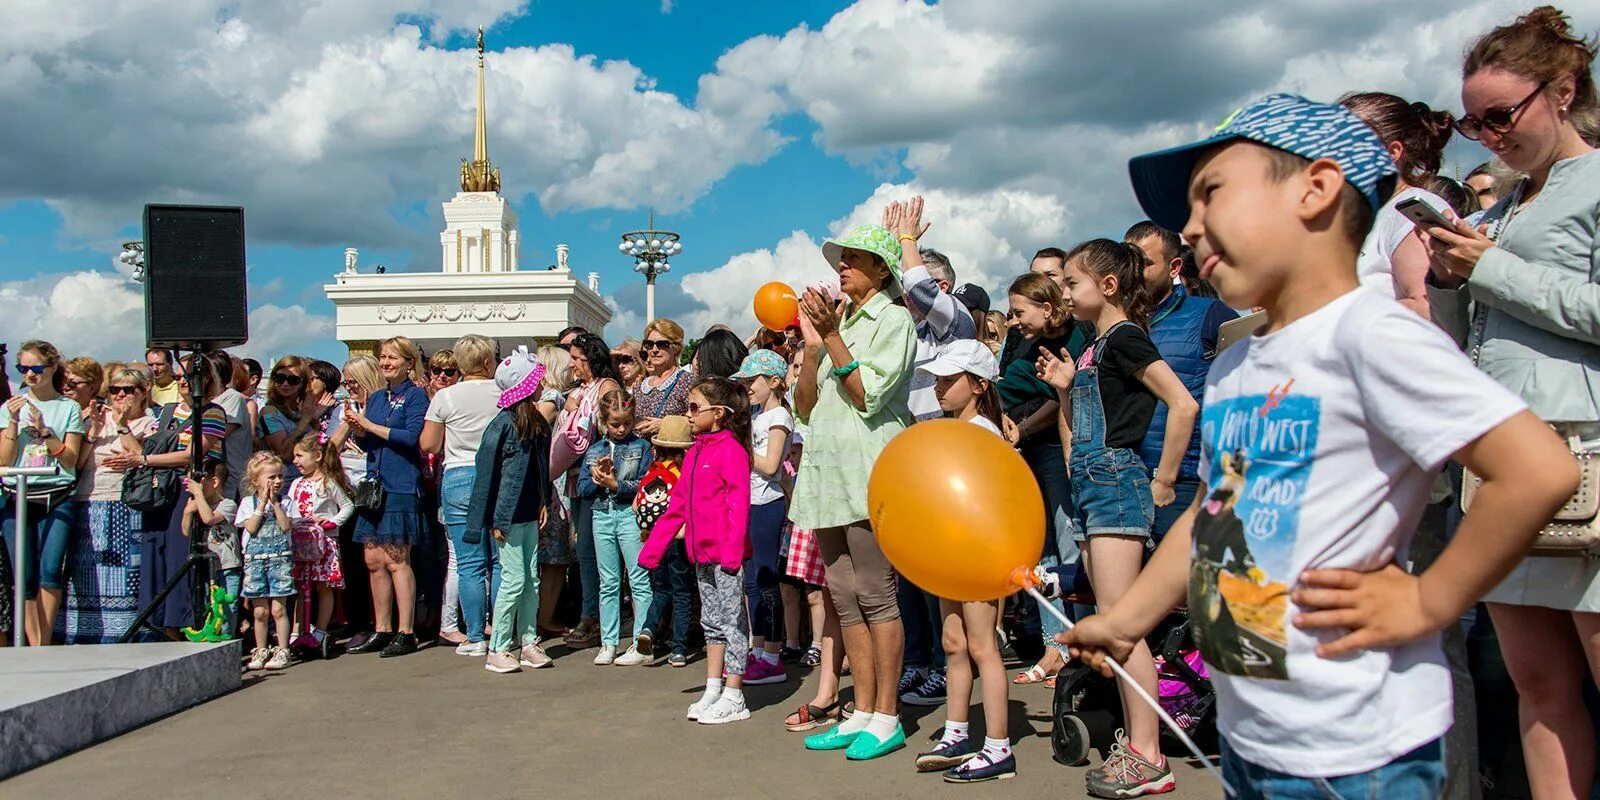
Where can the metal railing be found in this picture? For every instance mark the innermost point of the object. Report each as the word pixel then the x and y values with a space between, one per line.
pixel 19 552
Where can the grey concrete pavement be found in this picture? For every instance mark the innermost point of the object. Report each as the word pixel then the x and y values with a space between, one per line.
pixel 437 725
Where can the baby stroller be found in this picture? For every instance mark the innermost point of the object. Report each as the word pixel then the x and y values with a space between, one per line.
pixel 1183 684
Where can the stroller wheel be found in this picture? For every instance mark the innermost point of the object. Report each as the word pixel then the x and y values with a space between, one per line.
pixel 326 649
pixel 1069 740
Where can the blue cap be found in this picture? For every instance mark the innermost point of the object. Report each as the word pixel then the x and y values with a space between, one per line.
pixel 762 362
pixel 1288 122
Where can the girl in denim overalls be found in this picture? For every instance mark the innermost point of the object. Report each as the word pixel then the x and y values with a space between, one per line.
pixel 268 558
pixel 1109 397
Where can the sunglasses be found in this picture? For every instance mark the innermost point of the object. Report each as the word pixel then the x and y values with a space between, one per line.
pixel 351 385
pixel 287 378
pixel 76 384
pixel 696 408
pixel 121 390
pixel 444 372
pixel 1498 120
pixel 656 344
pixel 37 369
pixel 621 356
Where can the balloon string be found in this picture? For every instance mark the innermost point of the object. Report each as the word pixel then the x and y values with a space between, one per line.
pixel 1143 695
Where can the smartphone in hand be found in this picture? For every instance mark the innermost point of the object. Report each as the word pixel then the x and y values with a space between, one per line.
pixel 1423 215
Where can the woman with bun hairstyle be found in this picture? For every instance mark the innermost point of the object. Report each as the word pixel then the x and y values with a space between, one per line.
pixel 1521 294
pixel 1392 260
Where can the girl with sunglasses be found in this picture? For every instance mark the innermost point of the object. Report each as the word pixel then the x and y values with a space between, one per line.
pixel 1521 292
pixel 711 503
pixel 40 429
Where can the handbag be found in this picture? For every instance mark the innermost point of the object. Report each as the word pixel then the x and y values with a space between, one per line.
pixel 1575 529
pixel 369 494
pixel 148 489
pixel 306 539
pixel 574 433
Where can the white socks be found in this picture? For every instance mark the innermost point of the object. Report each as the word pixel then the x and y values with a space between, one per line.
pixel 954 732
pixel 996 750
pixel 882 726
pixel 770 658
pixel 732 695
pixel 856 723
pixel 714 690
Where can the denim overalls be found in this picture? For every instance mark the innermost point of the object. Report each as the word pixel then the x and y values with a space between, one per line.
pixel 1111 484
pixel 269 561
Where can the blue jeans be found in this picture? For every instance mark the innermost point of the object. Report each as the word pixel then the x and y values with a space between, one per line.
pixel 1417 775
pixel 477 569
pixel 672 588
pixel 232 583
pixel 1048 462
pixel 47 541
pixel 617 545
pixel 588 568
pixel 1167 516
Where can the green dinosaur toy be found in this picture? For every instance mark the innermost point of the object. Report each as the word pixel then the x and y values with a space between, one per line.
pixel 215 628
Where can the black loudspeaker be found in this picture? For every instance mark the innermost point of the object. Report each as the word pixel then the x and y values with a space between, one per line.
pixel 194 282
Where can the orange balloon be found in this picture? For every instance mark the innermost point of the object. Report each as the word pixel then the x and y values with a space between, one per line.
pixel 776 305
pixel 956 510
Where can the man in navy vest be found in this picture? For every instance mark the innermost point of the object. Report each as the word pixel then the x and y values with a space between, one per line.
pixel 1184 329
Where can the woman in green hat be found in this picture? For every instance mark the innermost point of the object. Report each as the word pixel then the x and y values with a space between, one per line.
pixel 852 395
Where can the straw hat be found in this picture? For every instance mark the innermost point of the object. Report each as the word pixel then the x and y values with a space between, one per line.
pixel 674 433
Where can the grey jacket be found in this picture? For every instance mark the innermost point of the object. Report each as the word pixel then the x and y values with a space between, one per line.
pixel 1541 289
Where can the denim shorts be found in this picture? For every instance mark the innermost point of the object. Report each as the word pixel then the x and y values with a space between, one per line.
pixel 268 576
pixel 1417 775
pixel 1112 490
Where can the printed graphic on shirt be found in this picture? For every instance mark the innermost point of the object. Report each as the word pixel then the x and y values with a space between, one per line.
pixel 1259 449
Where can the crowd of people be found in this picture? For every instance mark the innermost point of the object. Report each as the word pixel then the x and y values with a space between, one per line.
pixel 660 497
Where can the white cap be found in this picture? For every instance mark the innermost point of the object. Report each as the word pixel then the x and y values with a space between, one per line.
pixel 964 355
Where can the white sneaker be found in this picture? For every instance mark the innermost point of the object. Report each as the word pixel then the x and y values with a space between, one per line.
pixel 258 658
pixel 726 709
pixel 631 658
pixel 606 656
pixel 476 649
pixel 699 707
pixel 279 660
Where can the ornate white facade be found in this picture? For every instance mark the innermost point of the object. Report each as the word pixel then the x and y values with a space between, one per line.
pixel 480 288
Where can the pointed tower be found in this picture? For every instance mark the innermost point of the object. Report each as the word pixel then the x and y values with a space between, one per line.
pixel 480 232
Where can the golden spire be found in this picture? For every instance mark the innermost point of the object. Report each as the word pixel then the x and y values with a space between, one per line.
pixel 479 175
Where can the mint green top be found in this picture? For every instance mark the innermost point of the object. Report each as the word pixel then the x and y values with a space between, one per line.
pixel 62 416
pixel 841 441
pixel 1539 292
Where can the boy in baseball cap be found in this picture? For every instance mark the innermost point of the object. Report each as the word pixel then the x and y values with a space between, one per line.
pixel 1321 436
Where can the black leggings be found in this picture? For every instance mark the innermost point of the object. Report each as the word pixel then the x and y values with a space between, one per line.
pixel 764 570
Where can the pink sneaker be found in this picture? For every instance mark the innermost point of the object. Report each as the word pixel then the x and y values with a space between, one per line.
pixel 760 673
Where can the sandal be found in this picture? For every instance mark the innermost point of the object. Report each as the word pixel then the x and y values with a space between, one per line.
pixel 809 717
pixel 1034 674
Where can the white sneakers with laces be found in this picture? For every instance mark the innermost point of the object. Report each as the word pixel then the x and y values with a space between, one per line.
pixel 631 658
pixel 607 655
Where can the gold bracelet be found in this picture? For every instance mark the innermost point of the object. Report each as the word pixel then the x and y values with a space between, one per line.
pixel 906 237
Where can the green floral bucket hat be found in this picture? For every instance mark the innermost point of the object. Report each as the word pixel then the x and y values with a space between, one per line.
pixel 873 239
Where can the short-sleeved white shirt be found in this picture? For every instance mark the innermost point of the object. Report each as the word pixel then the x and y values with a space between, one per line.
pixel 465 410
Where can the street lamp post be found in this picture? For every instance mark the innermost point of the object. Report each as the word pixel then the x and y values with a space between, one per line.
pixel 650 249
pixel 133 255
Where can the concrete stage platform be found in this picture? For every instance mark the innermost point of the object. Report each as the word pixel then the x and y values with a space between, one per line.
pixel 57 700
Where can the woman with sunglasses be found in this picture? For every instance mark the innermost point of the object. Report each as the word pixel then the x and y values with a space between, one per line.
pixel 103 577
pixel 444 371
pixel 1520 292
pixel 595 376
pixel 629 361
pixel 285 420
pixel 457 417
pixel 42 428
pixel 663 388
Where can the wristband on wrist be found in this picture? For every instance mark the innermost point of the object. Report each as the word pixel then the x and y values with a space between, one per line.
pixel 906 237
pixel 844 371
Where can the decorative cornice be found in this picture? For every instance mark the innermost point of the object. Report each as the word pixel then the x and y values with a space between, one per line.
pixel 452 312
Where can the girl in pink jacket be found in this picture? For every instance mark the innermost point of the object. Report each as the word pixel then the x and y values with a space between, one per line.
pixel 711 503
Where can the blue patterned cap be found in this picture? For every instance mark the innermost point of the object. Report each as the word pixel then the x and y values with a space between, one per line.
pixel 1290 123
pixel 762 362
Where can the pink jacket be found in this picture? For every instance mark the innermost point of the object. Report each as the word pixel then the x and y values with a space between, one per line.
pixel 711 502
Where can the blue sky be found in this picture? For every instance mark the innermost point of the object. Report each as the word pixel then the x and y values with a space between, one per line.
pixel 755 130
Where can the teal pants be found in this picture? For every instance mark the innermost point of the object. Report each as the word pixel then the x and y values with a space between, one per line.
pixel 616 548
pixel 516 606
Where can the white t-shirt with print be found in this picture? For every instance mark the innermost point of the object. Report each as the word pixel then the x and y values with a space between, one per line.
pixel 1375 267
pixel 465 410
pixel 763 489
pixel 1319 443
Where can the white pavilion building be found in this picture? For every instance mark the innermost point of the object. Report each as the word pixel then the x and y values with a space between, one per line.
pixel 480 288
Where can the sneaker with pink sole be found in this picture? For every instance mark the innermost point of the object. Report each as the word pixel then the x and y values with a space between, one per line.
pixel 760 673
